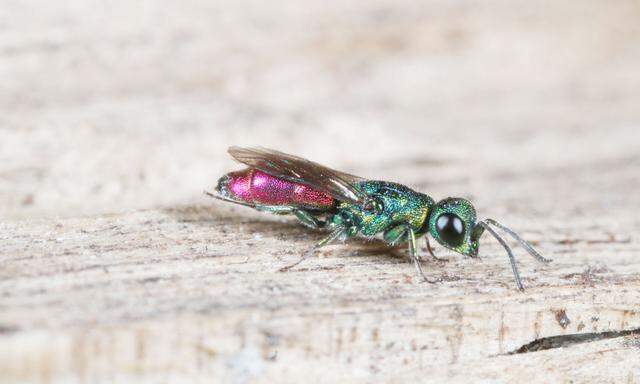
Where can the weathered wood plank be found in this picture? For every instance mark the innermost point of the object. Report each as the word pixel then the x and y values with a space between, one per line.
pixel 196 291
pixel 113 119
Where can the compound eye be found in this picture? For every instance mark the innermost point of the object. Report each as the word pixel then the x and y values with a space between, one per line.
pixel 451 229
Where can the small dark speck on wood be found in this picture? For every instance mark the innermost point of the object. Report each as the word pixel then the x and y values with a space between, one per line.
pixel 561 318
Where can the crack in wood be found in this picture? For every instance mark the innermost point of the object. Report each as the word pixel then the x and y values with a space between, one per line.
pixel 562 341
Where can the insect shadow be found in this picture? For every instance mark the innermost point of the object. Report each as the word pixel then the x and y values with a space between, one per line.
pixel 231 220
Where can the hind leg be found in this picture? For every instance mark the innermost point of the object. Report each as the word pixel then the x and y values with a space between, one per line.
pixel 307 219
pixel 277 209
pixel 334 235
pixel 303 216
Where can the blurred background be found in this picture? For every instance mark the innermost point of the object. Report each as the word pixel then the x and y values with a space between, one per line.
pixel 119 105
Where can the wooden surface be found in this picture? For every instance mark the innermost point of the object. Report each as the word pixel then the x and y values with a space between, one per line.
pixel 113 119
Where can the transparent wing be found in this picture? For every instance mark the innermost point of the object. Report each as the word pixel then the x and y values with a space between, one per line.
pixel 298 170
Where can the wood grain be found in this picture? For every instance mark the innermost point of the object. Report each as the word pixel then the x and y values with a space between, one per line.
pixel 115 268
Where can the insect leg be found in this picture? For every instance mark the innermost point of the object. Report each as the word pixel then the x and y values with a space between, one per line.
pixel 395 234
pixel 512 259
pixel 308 219
pixel 413 254
pixel 228 200
pixel 277 209
pixel 431 250
pixel 335 234
pixel 525 244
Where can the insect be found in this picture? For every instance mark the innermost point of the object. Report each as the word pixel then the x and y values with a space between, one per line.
pixel 347 205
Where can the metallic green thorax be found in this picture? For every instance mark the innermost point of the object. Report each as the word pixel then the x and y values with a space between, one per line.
pixel 396 205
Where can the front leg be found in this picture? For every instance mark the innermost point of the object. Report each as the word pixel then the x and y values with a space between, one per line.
pixel 413 254
pixel 431 251
pixel 401 233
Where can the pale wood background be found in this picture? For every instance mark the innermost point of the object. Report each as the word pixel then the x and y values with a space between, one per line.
pixel 115 116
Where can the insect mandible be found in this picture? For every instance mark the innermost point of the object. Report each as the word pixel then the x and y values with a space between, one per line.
pixel 347 205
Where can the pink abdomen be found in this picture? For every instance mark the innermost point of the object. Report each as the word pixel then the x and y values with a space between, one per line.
pixel 256 187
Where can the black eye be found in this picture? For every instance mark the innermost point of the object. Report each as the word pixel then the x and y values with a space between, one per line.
pixel 450 228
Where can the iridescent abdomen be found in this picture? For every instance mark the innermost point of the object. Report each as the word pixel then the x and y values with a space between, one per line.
pixel 255 187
